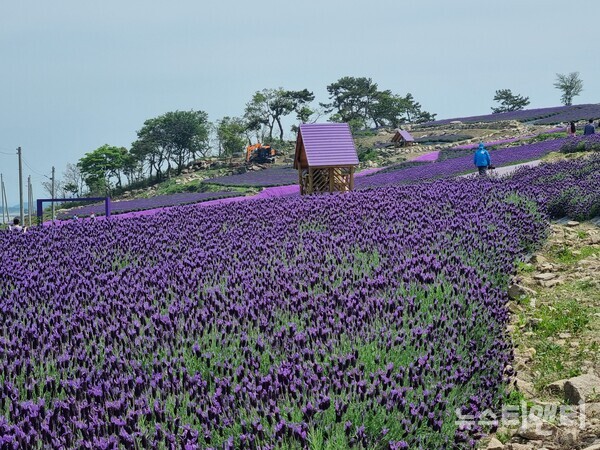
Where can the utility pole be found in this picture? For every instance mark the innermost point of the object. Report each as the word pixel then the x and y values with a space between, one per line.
pixel 22 214
pixel 4 207
pixel 52 194
pixel 29 200
pixel 5 202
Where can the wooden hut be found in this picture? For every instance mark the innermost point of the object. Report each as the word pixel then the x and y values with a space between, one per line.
pixel 325 158
pixel 402 138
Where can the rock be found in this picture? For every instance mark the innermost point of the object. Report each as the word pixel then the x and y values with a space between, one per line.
pixel 536 429
pixel 592 447
pixel 544 276
pixel 572 223
pixel 514 308
pixel 550 283
pixel 581 388
pixel 495 444
pixel 517 292
pixel 539 259
pixel 546 267
pixel 525 387
pixel 568 438
pixel 564 335
pixel 591 410
pixel 516 446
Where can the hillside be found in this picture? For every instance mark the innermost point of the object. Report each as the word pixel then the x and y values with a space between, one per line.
pixel 213 177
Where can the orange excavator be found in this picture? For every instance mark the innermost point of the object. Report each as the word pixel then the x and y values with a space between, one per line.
pixel 260 154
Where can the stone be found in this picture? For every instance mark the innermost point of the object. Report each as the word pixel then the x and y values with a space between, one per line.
pixel 550 283
pixel 536 429
pixel 525 387
pixel 591 410
pixel 517 292
pixel 544 276
pixel 568 438
pixel 582 388
pixel 495 444
pixel 539 259
pixel 572 223
pixel 592 447
pixel 516 446
pixel 514 308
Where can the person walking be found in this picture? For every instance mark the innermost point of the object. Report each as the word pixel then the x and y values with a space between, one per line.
pixel 482 159
pixel 589 128
pixel 571 129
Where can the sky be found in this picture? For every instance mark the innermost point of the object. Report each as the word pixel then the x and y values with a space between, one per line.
pixel 77 74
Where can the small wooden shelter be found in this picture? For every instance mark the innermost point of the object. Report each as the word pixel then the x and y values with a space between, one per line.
pixel 403 138
pixel 325 158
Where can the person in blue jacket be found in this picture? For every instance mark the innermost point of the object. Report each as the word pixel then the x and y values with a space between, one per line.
pixel 482 159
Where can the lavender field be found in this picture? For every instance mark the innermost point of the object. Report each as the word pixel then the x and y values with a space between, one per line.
pixel 538 116
pixel 278 176
pixel 362 320
pixel 140 204
pixel 448 166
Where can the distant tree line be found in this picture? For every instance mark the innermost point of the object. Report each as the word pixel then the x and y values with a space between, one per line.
pixel 166 144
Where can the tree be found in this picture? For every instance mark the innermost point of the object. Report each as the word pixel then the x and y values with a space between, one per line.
pixel 358 102
pixel 306 114
pixel 73 180
pixel 102 164
pixel 509 101
pixel 175 137
pixel 389 109
pixel 570 85
pixel 230 135
pixel 59 188
pixel 351 100
pixel 392 110
pixel 269 106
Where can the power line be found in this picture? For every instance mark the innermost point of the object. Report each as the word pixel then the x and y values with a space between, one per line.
pixel 33 170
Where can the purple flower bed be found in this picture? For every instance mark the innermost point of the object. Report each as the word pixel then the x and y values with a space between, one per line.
pixel 456 166
pixel 363 320
pixel 278 176
pixel 539 116
pixel 581 144
pixel 427 157
pixel 492 143
pixel 140 204
pixel 580 112
pixel 565 188
pixel 400 166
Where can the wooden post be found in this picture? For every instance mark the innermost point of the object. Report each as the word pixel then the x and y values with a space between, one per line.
pixel 310 181
pixel 351 178
pixel 300 180
pixel 331 180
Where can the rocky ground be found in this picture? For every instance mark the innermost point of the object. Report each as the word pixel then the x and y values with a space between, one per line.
pixel 555 301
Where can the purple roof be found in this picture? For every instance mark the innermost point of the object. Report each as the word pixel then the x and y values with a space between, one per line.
pixel 328 144
pixel 405 135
